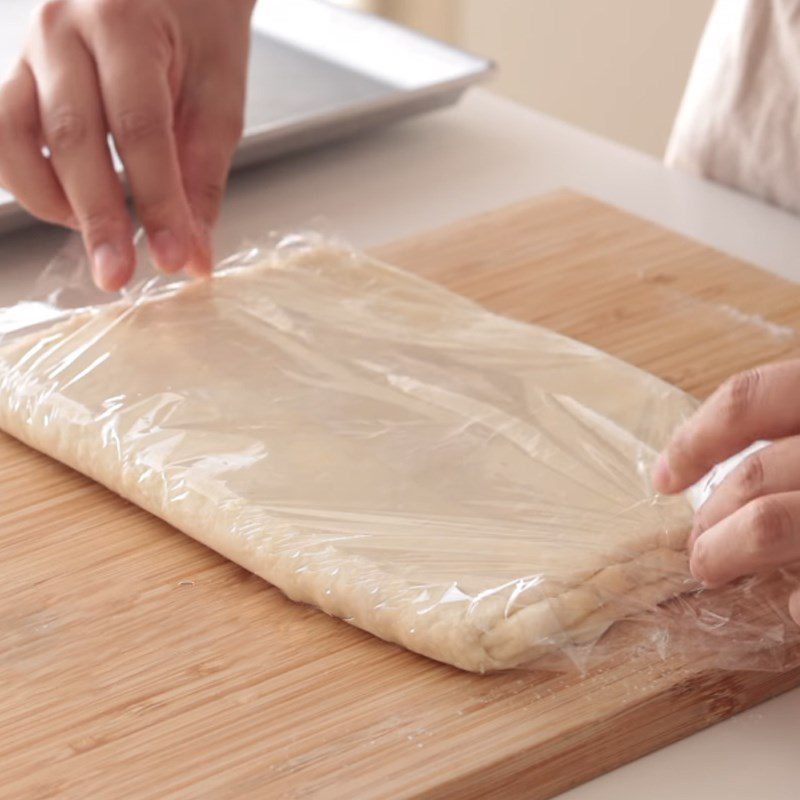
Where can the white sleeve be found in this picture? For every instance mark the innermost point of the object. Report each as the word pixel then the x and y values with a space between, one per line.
pixel 739 120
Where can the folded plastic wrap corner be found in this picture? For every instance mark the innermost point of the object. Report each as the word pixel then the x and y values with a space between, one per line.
pixel 471 487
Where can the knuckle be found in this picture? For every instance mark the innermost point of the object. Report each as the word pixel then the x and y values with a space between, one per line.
pixel 749 478
pixel 112 11
pixel 135 126
pixel 738 394
pixel 64 131
pixel 770 525
pixel 155 36
pixel 50 15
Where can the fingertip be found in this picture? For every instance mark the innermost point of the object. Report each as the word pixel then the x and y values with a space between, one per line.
pixel 662 475
pixel 168 250
pixel 112 266
pixel 794 606
pixel 198 271
pixel 201 260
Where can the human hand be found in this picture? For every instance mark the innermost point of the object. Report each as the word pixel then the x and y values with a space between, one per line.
pixel 751 523
pixel 166 78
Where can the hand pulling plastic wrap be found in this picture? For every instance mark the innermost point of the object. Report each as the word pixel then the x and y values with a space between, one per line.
pixel 471 487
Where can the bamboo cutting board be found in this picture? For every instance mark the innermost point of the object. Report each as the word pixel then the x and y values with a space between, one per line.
pixel 136 663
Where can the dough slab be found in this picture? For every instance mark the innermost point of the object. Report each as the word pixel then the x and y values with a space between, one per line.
pixel 473 488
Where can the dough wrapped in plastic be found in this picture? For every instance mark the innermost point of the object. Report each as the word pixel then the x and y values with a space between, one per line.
pixel 470 487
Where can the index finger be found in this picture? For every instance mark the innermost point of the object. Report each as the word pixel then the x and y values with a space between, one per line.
pixel 139 110
pixel 762 403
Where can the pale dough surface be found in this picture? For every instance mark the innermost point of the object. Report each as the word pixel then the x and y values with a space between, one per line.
pixel 471 487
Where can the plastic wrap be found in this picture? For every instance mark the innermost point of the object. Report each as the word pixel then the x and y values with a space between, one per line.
pixel 471 487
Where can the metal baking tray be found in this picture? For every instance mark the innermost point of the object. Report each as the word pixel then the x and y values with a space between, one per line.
pixel 320 72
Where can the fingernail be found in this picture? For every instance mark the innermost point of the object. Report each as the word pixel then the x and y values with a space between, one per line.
pixel 109 267
pixel 794 606
pixel 698 565
pixel 201 264
pixel 168 252
pixel 696 573
pixel 697 529
pixel 703 583
pixel 662 477
pixel 205 244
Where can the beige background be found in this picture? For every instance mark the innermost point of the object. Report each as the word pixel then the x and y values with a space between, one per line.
pixel 616 67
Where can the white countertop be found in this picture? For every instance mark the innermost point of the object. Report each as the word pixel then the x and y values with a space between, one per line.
pixel 485 153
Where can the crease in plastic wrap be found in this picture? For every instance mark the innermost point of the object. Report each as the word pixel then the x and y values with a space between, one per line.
pixel 471 487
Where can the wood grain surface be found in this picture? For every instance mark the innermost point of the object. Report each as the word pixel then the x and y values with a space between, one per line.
pixel 135 663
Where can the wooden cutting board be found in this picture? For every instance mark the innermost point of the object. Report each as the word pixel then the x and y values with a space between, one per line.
pixel 136 663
